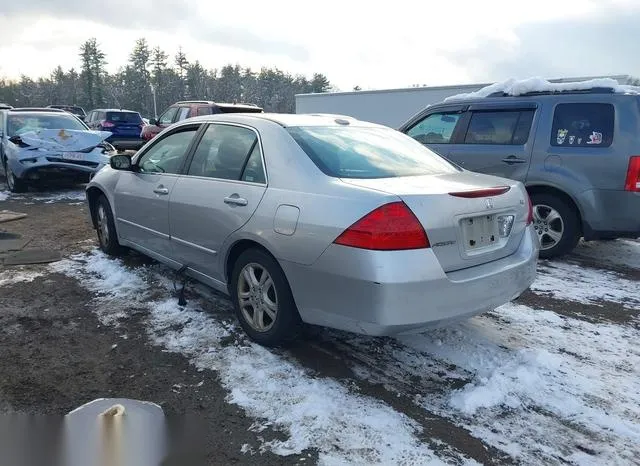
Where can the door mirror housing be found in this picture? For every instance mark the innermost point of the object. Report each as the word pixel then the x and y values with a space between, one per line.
pixel 121 162
pixel 153 121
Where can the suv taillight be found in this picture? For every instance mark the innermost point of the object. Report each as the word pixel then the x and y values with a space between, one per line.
pixel 633 175
pixel 390 227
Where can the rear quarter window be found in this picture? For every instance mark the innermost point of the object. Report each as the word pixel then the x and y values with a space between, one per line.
pixel 583 125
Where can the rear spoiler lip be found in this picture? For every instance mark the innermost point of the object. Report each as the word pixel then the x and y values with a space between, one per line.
pixel 483 192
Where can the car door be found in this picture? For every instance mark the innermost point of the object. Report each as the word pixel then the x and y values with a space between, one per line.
pixel 496 140
pixel 219 193
pixel 142 195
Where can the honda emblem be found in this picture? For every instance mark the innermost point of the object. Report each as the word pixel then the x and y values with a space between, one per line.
pixel 489 203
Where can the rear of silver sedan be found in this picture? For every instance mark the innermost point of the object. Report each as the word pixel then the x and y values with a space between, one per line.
pixel 439 247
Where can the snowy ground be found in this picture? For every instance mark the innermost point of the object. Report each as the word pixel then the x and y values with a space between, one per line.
pixel 551 379
pixel 530 382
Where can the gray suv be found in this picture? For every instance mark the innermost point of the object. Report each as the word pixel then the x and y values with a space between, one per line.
pixel 577 152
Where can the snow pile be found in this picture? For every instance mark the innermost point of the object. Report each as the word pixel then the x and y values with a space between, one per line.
pixel 544 385
pixel 514 87
pixel 59 196
pixel 4 195
pixel 585 285
pixel 620 252
pixel 345 428
pixel 13 275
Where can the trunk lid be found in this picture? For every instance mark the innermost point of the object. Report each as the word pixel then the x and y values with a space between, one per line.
pixel 463 231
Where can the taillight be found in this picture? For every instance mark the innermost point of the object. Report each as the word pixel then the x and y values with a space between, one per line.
pixel 530 212
pixel 107 124
pixel 633 175
pixel 390 227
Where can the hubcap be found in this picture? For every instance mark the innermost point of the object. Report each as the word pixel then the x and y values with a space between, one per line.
pixel 548 224
pixel 103 226
pixel 257 296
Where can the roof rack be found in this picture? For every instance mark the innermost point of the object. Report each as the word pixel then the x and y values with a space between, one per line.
pixel 593 90
pixel 37 109
pixel 194 102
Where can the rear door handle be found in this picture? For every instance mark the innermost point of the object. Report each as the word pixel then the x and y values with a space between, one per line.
pixel 234 200
pixel 513 159
pixel 161 190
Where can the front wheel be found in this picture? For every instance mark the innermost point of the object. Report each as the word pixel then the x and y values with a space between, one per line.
pixel 557 224
pixel 15 184
pixel 263 300
pixel 106 228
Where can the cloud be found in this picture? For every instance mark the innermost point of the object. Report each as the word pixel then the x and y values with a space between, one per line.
pixel 605 43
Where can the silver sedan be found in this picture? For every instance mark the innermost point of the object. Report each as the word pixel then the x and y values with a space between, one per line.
pixel 319 219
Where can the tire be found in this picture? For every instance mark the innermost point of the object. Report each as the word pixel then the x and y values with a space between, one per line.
pixel 565 225
pixel 271 330
pixel 15 185
pixel 106 228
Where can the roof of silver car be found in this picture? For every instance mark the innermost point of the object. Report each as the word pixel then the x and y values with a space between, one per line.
pixel 288 119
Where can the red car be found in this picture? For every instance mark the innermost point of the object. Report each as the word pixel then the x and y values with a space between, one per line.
pixel 191 108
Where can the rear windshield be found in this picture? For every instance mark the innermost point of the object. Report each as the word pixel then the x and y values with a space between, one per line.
pixel 124 117
pixel 18 124
pixel 356 152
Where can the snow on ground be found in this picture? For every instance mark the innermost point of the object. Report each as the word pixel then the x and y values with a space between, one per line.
pixel 48 197
pixel 320 413
pixel 514 87
pixel 17 275
pixel 544 385
pixel 585 285
pixel 620 252
pixel 4 195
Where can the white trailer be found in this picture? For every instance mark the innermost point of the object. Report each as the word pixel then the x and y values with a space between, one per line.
pixel 393 107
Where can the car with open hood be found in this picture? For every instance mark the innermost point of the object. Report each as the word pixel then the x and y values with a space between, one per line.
pixel 46 143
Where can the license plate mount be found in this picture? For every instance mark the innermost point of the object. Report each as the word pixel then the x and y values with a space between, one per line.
pixel 73 155
pixel 480 232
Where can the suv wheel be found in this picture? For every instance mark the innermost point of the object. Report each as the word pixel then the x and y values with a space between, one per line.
pixel 557 224
pixel 263 300
pixel 15 185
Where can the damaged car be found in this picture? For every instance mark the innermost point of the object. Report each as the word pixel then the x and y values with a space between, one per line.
pixel 49 144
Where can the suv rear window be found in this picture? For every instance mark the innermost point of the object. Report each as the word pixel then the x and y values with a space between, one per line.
pixel 583 125
pixel 364 153
pixel 124 117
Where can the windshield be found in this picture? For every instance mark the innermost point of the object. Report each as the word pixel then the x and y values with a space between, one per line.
pixel 357 152
pixel 22 123
pixel 124 117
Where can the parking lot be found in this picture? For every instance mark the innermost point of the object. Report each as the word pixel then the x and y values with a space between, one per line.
pixel 553 378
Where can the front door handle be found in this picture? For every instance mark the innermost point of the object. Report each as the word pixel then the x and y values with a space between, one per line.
pixel 513 159
pixel 161 190
pixel 234 200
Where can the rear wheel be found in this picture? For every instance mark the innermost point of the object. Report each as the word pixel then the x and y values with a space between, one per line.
pixel 263 300
pixel 15 184
pixel 557 224
pixel 106 228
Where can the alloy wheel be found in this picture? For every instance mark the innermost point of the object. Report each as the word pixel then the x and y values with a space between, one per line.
pixel 549 225
pixel 103 225
pixel 257 297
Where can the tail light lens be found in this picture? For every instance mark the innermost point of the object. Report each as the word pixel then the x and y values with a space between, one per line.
pixel 633 175
pixel 390 227
pixel 107 124
pixel 530 212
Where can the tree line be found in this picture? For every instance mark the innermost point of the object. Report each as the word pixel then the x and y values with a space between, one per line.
pixel 150 71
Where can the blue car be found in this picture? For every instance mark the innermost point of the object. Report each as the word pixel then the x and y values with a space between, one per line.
pixel 125 126
pixel 45 143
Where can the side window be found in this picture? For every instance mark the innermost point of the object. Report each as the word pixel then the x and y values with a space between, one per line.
pixel 495 127
pixel 167 155
pixel 254 171
pixel 583 125
pixel 184 113
pixel 222 152
pixel 436 128
pixel 204 111
pixel 167 117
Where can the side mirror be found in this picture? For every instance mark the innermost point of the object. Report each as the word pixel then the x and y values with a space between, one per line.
pixel 153 121
pixel 120 162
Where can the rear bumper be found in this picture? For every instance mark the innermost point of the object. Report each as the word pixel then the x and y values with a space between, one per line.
pixel 120 142
pixel 610 214
pixel 388 293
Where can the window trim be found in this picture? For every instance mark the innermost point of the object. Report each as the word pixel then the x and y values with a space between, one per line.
pixel 155 141
pixel 586 146
pixel 238 125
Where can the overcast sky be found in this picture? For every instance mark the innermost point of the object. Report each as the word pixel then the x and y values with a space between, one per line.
pixel 393 44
